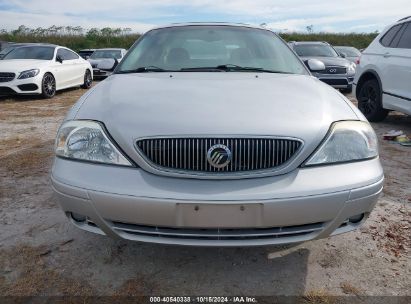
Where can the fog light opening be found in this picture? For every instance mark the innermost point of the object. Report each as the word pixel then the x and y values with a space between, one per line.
pixel 356 218
pixel 78 217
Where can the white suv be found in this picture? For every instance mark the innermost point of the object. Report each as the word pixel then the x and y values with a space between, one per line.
pixel 382 82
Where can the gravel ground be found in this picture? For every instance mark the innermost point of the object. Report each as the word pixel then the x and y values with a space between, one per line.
pixel 42 254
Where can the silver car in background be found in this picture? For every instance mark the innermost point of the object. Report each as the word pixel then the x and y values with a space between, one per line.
pixel 104 61
pixel 349 52
pixel 215 135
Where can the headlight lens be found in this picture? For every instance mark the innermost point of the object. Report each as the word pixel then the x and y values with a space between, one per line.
pixel 346 141
pixel 87 140
pixel 351 68
pixel 29 74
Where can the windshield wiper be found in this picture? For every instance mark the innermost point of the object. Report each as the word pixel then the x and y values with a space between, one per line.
pixel 218 68
pixel 202 69
pixel 231 68
pixel 146 69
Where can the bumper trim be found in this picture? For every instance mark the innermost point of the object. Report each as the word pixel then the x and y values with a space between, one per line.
pixel 217 234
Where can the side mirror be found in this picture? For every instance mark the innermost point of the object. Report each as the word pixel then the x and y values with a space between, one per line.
pixel 86 57
pixel 343 55
pixel 315 65
pixel 59 59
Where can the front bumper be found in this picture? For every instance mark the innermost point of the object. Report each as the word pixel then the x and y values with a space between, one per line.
pixel 97 73
pixel 21 86
pixel 132 204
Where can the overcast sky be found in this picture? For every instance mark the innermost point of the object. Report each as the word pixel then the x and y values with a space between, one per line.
pixel 140 15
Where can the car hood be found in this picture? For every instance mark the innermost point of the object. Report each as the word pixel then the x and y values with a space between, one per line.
pixel 19 65
pixel 331 61
pixel 133 106
pixel 103 64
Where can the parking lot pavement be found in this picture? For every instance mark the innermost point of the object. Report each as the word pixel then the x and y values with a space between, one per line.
pixel 42 254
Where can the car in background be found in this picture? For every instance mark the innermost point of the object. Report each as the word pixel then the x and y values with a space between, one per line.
pixel 339 72
pixel 383 80
pixel 43 69
pixel 104 61
pixel 349 52
pixel 211 134
pixel 86 53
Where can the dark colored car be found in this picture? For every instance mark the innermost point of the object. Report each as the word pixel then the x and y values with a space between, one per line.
pixel 339 72
pixel 86 53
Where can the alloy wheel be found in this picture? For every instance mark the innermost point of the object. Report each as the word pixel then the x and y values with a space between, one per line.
pixel 49 85
pixel 367 100
pixel 87 79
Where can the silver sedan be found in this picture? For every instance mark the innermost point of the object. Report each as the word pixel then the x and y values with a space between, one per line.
pixel 216 135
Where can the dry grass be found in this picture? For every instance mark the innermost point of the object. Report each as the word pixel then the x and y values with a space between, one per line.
pixel 394 236
pixel 29 162
pixel 26 271
pixel 318 296
pixel 349 289
pixel 30 275
pixel 133 288
pixel 10 143
pixel 23 121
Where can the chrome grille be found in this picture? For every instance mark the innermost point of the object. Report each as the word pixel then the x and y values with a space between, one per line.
pixel 218 233
pixel 6 77
pixel 190 154
pixel 335 70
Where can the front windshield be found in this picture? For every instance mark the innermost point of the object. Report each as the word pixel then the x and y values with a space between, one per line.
pixel 32 52
pixel 315 50
pixel 348 51
pixel 105 54
pixel 196 48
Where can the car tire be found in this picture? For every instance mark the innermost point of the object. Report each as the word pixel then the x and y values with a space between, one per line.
pixel 370 101
pixel 88 80
pixel 48 86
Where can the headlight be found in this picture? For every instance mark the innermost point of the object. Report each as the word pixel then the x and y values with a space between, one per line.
pixel 87 140
pixel 351 68
pixel 29 74
pixel 347 141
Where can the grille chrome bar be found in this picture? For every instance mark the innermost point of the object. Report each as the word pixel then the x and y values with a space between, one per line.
pixel 190 154
pixel 218 233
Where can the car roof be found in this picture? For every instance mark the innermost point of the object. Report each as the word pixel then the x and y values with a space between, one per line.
pixel 404 19
pixel 209 24
pixel 401 21
pixel 21 44
pixel 33 44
